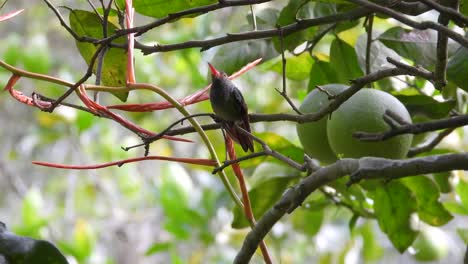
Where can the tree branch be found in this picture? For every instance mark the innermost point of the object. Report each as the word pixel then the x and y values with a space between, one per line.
pixel 363 168
pixel 419 25
pixel 259 34
pixel 418 128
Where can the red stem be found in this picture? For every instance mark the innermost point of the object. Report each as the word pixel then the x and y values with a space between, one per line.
pixel 245 195
pixel 204 162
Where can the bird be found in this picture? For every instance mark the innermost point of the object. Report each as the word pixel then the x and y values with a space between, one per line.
pixel 229 106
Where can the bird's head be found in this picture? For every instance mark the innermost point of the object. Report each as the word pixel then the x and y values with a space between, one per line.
pixel 215 74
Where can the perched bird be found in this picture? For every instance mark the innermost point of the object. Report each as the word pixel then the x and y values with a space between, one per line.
pixel 229 105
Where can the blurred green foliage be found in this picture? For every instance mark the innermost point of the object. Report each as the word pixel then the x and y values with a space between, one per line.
pixel 159 212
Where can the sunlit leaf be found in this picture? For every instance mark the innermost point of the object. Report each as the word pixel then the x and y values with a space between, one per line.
pixel 297 67
pixel 344 62
pixel 307 221
pixel 393 206
pixel 86 23
pixel 457 67
pixel 426 105
pixel 462 191
pixel 158 247
pixel 162 8
pixel 430 210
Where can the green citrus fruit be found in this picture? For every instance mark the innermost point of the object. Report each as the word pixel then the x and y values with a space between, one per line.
pixel 363 112
pixel 313 135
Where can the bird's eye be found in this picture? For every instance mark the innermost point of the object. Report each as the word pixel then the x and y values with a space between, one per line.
pixel 224 74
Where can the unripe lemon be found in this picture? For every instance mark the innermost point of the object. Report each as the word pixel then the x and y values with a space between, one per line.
pixel 313 135
pixel 363 112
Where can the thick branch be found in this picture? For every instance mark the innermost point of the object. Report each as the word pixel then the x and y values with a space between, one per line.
pixel 259 34
pixel 418 128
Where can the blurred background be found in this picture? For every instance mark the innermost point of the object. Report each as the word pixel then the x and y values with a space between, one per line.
pixel 155 211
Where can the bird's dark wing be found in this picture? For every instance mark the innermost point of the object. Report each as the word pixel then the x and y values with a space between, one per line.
pixel 244 140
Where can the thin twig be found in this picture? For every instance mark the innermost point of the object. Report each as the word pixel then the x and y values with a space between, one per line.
pixel 254 18
pixel 431 144
pixel 149 140
pixel 370 25
pixel 418 128
pixel 283 63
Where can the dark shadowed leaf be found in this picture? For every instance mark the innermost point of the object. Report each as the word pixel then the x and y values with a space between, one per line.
pixel 307 221
pixel 393 206
pixel 321 73
pixel 19 249
pixel 233 56
pixel 425 105
pixel 114 69
pixel 262 197
pixel 442 180
pixel 344 62
pixel 277 143
pixel 378 55
pixel 158 247
pixel 416 45
pixel 463 233
pixel 457 67
pixel 294 9
pixel 430 210
pixel 162 8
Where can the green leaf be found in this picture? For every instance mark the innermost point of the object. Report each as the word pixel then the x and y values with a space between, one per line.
pixel 393 206
pixel 378 55
pixel 462 191
pixel 158 247
pixel 307 221
pixel 162 8
pixel 443 181
pixel 371 250
pixel 344 62
pixel 426 105
pixel 464 7
pixel 31 214
pixel 456 208
pixel 416 45
pixel 277 143
pixel 84 120
pixel 233 56
pixel 297 68
pixel 262 197
pixel 83 240
pixel 352 222
pixel 457 67
pixel 321 73
pixel 430 210
pixel 463 233
pixel 114 68
pixel 293 10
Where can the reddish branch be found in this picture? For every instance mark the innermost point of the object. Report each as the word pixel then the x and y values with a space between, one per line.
pixel 245 194
pixel 204 162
